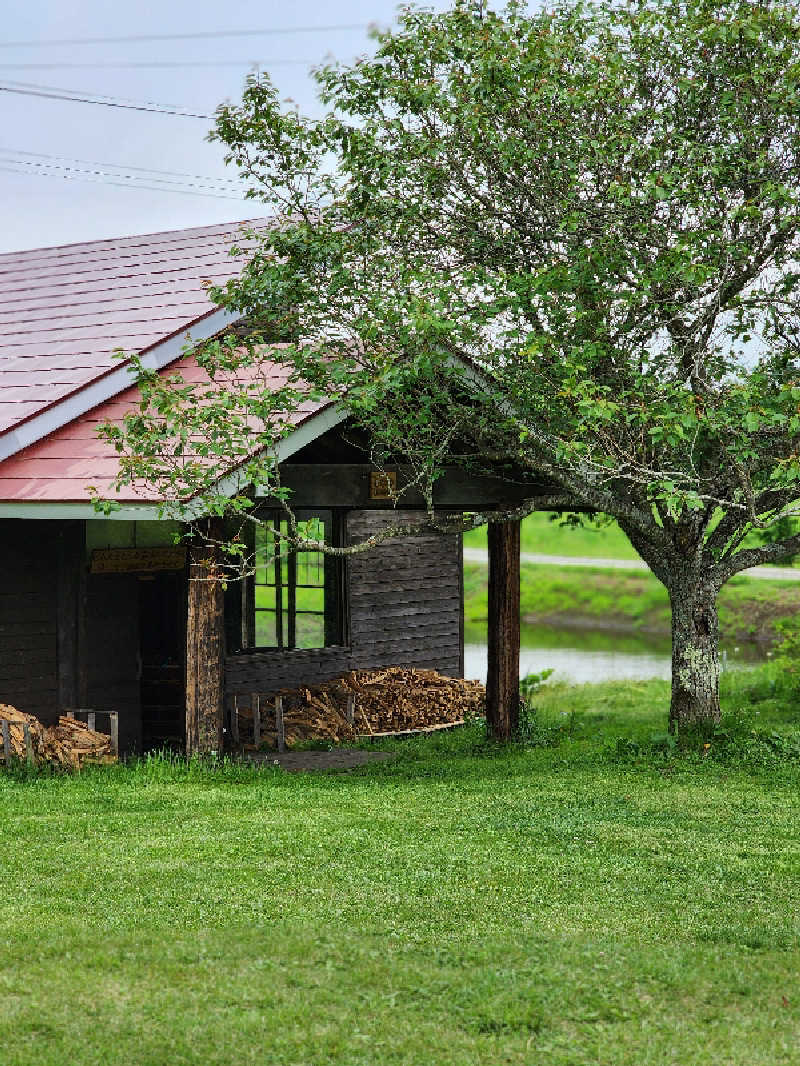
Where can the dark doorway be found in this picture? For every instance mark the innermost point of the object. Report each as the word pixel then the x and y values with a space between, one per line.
pixel 162 620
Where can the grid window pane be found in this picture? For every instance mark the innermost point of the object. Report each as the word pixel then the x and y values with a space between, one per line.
pixel 293 591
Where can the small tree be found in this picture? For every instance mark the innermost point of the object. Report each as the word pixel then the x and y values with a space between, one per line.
pixel 567 241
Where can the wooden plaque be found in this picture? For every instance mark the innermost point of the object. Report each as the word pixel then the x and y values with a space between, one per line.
pixel 137 560
pixel 382 484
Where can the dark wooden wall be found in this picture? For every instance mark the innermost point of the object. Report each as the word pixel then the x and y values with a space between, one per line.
pixel 404 607
pixel 28 616
pixel 66 640
pixel 405 596
pixel 112 663
pixel 69 638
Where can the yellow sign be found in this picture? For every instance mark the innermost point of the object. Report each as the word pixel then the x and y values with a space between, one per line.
pixel 382 484
pixel 136 560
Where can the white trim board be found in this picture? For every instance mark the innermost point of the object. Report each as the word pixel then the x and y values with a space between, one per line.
pixel 306 432
pixel 110 384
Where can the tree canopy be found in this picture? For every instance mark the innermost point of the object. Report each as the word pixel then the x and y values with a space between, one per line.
pixel 566 239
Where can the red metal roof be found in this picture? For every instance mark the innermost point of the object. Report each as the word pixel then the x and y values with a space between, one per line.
pixel 63 313
pixel 65 310
pixel 59 468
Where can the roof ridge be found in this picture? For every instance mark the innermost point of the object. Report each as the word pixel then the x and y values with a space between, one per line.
pixel 132 236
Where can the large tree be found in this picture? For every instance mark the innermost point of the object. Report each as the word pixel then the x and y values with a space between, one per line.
pixel 565 240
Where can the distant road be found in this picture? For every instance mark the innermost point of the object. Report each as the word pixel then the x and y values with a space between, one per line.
pixel 769 573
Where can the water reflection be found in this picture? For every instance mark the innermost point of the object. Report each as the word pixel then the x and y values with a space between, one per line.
pixel 577 655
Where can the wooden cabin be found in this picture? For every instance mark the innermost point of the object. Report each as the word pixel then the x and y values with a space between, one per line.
pixel 107 612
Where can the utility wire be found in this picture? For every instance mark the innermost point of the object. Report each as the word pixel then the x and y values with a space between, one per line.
pixel 96 174
pixel 161 65
pixel 48 92
pixel 200 35
pixel 90 92
pixel 119 166
pixel 73 176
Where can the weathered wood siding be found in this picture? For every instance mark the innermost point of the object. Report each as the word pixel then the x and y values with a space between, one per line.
pixel 404 606
pixel 28 616
pixel 112 664
pixel 65 640
pixel 405 597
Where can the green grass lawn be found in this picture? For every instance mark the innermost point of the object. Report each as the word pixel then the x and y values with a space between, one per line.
pixel 630 600
pixel 463 905
pixel 543 535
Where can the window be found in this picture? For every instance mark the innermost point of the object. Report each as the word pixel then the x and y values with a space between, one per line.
pixel 296 599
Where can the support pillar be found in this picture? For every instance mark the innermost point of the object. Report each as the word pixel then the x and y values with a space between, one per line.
pixel 502 681
pixel 205 648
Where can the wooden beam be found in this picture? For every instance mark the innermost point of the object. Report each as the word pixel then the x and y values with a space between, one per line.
pixel 205 649
pixel 348 485
pixel 71 550
pixel 502 681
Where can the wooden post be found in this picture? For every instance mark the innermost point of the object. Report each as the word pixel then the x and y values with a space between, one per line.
pixel 114 729
pixel 502 681
pixel 6 742
pixel 256 705
pixel 235 720
pixel 351 708
pixel 26 733
pixel 279 724
pixel 205 644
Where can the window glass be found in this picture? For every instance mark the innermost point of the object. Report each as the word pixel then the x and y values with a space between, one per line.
pixel 297 595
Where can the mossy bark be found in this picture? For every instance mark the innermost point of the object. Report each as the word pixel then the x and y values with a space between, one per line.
pixel 695 656
pixel 205 648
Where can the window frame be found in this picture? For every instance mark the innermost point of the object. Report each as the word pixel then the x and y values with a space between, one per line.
pixel 335 613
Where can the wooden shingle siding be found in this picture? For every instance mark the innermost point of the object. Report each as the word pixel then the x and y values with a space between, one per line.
pixel 405 603
pixel 404 606
pixel 28 617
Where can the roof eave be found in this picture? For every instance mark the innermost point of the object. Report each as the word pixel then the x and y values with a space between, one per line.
pixel 304 433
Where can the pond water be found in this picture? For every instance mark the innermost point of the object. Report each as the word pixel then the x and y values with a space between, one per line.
pixel 579 655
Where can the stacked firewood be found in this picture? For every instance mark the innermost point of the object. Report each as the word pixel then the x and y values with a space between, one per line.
pixel 72 743
pixel 364 702
pixel 69 744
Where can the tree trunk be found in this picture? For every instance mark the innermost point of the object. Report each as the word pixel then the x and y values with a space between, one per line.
pixel 502 681
pixel 205 641
pixel 695 656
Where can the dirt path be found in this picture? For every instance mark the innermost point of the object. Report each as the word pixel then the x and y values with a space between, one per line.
pixel 340 759
pixel 767 573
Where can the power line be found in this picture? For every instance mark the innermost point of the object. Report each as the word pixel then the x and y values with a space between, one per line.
pixel 90 92
pixel 50 93
pixel 200 35
pixel 119 166
pixel 124 181
pixel 119 184
pixel 161 64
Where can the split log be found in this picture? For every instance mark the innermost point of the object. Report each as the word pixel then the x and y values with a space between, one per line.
pixel 364 702
pixel 69 744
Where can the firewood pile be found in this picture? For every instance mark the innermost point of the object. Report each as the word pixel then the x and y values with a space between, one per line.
pixel 393 700
pixel 68 744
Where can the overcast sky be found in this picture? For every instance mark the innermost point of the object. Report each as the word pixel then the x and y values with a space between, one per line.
pixel 46 144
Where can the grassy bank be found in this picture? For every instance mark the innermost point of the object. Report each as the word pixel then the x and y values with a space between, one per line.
pixel 631 601
pixel 543 535
pixel 464 905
